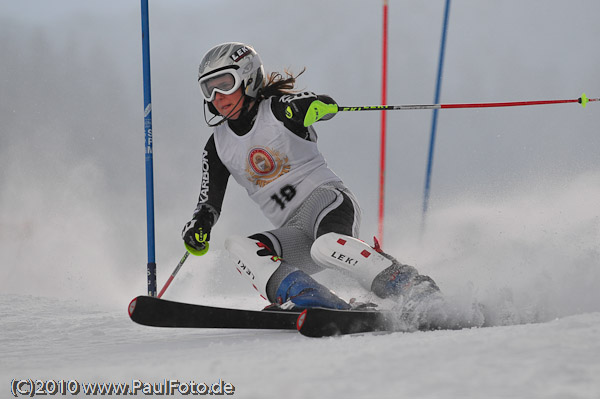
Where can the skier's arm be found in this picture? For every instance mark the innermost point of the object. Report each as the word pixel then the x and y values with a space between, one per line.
pixel 214 179
pixel 196 233
pixel 299 111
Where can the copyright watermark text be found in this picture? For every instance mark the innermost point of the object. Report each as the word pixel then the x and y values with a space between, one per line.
pixel 29 388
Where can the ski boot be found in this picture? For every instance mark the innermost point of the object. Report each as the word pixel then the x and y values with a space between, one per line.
pixel 300 291
pixel 399 279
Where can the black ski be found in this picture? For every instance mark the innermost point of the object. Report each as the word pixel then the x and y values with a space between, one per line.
pixel 315 322
pixel 151 311
pixel 320 322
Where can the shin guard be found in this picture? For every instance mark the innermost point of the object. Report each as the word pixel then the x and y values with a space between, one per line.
pixel 254 260
pixel 349 255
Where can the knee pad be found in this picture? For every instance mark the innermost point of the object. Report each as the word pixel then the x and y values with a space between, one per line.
pixel 254 260
pixel 350 256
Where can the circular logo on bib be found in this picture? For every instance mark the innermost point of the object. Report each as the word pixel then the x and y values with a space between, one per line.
pixel 265 165
pixel 261 161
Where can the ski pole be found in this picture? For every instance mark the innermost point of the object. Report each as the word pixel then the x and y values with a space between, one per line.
pixel 583 100
pixel 162 291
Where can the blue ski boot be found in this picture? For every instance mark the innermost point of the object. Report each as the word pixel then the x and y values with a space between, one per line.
pixel 418 296
pixel 403 280
pixel 300 291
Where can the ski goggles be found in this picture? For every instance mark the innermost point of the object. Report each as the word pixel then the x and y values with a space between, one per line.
pixel 226 81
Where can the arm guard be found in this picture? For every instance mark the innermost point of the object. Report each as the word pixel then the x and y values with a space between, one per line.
pixel 299 111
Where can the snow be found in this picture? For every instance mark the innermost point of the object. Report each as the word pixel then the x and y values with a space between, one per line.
pixel 47 338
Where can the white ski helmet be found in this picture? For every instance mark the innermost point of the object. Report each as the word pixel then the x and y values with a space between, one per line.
pixel 238 63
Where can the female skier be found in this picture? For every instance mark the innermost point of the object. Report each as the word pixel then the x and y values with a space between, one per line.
pixel 264 138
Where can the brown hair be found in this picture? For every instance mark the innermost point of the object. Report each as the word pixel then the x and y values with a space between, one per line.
pixel 277 84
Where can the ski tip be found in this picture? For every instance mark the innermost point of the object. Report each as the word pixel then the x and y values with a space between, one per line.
pixel 301 319
pixel 131 306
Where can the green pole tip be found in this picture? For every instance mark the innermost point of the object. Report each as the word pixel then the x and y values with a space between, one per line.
pixel 583 100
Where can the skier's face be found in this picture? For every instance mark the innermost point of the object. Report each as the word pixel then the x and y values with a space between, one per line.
pixel 229 105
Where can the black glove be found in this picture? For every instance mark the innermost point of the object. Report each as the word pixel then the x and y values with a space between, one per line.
pixel 196 232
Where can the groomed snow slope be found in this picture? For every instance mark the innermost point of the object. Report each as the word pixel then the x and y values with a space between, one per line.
pixel 55 339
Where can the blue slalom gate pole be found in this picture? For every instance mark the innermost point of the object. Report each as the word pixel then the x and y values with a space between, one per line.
pixel 151 267
pixel 434 117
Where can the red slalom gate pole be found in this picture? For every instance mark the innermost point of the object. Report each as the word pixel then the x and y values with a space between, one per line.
pixel 383 124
